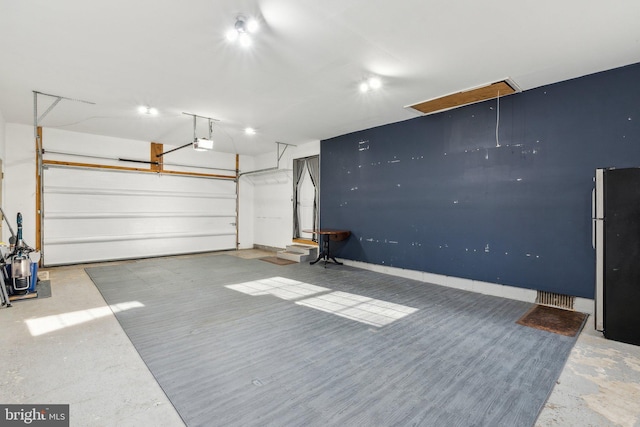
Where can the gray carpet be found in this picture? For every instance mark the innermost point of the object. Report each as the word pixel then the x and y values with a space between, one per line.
pixel 226 357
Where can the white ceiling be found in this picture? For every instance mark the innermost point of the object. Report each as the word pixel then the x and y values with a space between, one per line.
pixel 299 81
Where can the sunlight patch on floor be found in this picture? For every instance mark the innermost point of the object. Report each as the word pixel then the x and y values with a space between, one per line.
pixel 351 306
pixel 280 287
pixel 360 308
pixel 47 324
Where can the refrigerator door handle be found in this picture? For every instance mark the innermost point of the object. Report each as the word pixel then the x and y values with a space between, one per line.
pixel 593 218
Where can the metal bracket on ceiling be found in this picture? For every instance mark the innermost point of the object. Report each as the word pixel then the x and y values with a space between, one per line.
pixel 280 154
pixel 58 98
pixel 210 121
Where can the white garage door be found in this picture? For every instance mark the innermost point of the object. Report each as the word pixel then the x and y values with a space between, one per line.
pixel 101 214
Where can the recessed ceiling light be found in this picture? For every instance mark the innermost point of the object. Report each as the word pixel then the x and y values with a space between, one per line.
pixel 249 131
pixel 252 25
pixel 374 82
pixel 364 87
pixel 232 35
pixel 241 31
pixel 149 111
pixel 245 40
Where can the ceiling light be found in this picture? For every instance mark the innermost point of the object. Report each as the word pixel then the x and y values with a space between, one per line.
pixel 241 31
pixel 245 40
pixel 372 83
pixel 249 131
pixel 252 25
pixel 232 35
pixel 149 111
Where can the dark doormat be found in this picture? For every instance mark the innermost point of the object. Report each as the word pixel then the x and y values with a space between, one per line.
pixel 277 261
pixel 43 290
pixel 552 319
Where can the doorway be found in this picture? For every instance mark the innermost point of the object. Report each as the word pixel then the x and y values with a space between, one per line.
pixel 306 191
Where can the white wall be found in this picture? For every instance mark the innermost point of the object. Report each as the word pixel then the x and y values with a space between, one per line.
pixel 20 180
pixel 273 196
pixel 246 212
pixel 3 226
pixel 2 138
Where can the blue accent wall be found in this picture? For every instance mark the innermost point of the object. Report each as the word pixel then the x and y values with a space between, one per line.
pixel 442 194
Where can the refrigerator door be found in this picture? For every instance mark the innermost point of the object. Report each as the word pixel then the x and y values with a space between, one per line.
pixel 621 273
pixel 597 211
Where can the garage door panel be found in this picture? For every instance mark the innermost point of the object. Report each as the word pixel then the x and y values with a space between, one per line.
pixel 94 215
pixel 60 204
pixel 123 227
pixel 134 248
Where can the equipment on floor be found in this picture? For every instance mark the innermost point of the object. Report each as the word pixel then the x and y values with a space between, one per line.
pixel 4 296
pixel 19 265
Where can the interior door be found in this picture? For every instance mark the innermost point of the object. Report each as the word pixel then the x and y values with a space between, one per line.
pixel 306 198
pixel 305 202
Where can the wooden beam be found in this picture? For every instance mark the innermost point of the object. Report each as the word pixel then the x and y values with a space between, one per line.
pixel 459 99
pixel 237 164
pixel 209 175
pixel 38 191
pixel 124 168
pixel 156 149
pixel 93 165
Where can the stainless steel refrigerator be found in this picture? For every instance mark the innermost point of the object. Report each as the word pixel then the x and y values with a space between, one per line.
pixel 616 239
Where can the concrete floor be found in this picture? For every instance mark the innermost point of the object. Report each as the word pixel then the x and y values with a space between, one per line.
pixel 70 349
pixel 599 386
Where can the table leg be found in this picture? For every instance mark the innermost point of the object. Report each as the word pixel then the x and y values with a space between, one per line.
pixel 325 253
pixel 324 250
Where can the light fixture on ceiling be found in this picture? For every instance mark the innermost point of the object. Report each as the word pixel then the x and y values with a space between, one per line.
pixel 149 111
pixel 372 83
pixel 249 131
pixel 242 31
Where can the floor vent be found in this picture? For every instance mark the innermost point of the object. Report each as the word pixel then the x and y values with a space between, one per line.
pixel 555 300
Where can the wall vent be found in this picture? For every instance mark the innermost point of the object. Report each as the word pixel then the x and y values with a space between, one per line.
pixel 469 96
pixel 555 300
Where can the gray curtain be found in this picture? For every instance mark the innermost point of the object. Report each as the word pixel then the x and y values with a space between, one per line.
pixel 298 168
pixel 313 165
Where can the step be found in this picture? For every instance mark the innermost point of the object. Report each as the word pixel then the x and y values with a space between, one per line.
pixel 303 249
pixel 294 256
